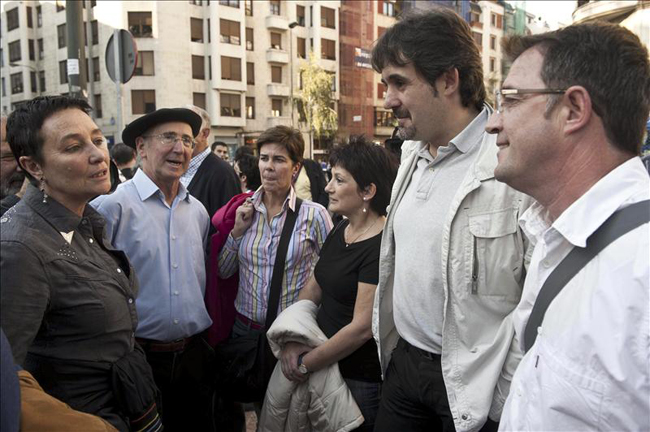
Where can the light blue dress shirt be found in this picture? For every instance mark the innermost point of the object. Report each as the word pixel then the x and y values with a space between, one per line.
pixel 166 246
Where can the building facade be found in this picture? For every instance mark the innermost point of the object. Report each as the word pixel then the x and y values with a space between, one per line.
pixel 237 59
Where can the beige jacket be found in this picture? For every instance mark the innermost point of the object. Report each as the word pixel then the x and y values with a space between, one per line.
pixel 323 403
pixel 483 254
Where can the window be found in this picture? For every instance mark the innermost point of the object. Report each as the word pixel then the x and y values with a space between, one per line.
pixel 39 17
pixel 2 58
pixel 96 69
pixel 209 67
pixel 16 83
pixel 41 78
pixel 41 50
pixel 63 72
pixel 140 24
pixel 30 45
pixel 302 47
pixel 250 45
pixel 60 5
pixel 276 107
pixel 33 82
pixel 198 99
pixel 327 17
pixel 145 64
pixel 4 92
pixel 300 15
pixel 196 2
pixel 209 32
pixel 384 118
pixel 250 73
pixel 496 20
pixel 475 18
pixel 328 49
pixel 381 91
pixel 493 19
pixel 61 35
pixel 248 6
pixel 250 108
pixel 230 105
pixel 275 7
pixel 12 19
pixel 276 40
pixel 492 64
pixel 198 67
pixel 95 32
pixel 333 78
pixel 143 101
pixel 196 30
pixel 380 31
pixel 230 3
pixel 478 38
pixel 30 23
pixel 230 68
pixel 14 51
pixel 388 8
pixel 493 42
pixel 276 74
pixel 229 32
pixel 98 106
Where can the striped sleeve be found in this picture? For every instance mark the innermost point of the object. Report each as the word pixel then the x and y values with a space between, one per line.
pixel 228 258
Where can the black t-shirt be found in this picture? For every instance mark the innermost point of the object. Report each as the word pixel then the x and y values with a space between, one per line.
pixel 338 272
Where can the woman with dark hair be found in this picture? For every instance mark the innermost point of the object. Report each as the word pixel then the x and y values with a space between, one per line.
pixel 346 275
pixel 251 247
pixel 248 171
pixel 67 298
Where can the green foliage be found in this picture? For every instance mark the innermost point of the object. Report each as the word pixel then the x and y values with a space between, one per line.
pixel 316 97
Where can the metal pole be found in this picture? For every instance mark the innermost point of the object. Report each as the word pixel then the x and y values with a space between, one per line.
pixel 76 64
pixel 91 66
pixel 117 43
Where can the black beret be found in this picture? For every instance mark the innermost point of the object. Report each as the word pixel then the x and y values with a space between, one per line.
pixel 164 115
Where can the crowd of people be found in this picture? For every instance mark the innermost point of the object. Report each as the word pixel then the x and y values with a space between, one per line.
pixel 494 277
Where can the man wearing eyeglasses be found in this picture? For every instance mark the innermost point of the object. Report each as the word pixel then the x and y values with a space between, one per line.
pixel 452 260
pixel 569 128
pixel 163 230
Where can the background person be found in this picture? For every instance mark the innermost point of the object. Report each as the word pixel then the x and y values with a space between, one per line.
pixel 221 149
pixel 125 160
pixel 248 169
pixel 12 178
pixel 345 277
pixel 66 296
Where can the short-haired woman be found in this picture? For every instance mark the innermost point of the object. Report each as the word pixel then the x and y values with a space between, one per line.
pixel 67 298
pixel 252 244
pixel 346 275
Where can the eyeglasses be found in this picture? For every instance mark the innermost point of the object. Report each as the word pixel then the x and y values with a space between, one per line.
pixel 501 95
pixel 170 138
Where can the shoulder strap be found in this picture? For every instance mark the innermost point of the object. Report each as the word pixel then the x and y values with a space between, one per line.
pixel 618 224
pixel 280 260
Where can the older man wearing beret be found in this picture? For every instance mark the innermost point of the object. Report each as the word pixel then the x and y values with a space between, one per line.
pixel 163 230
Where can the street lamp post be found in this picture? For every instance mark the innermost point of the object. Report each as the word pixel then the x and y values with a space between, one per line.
pixel 38 87
pixel 291 26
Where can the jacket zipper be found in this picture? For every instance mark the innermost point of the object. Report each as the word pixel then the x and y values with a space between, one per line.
pixel 475 269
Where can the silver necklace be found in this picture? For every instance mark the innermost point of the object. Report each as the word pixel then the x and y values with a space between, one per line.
pixel 357 237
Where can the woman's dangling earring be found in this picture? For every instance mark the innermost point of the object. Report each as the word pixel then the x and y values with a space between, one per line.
pixel 43 190
pixel 364 206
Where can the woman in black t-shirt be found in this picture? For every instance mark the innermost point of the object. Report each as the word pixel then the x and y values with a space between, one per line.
pixel 346 275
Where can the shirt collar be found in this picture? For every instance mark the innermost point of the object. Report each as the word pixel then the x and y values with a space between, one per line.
pixel 290 200
pixel 201 156
pixel 60 217
pixel 582 218
pixel 146 187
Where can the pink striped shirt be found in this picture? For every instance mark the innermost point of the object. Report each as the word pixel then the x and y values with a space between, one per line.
pixel 254 254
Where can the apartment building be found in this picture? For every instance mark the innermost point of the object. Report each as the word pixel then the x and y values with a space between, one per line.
pixel 237 59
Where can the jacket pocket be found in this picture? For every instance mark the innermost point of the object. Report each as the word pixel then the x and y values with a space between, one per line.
pixel 496 259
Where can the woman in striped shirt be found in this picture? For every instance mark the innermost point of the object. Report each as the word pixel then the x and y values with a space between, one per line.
pixel 252 244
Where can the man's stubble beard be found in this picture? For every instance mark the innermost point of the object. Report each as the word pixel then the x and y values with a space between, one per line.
pixel 12 184
pixel 407 133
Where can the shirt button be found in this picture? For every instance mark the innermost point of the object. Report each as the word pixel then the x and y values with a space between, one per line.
pixel 545 263
pixel 84 222
pixel 91 241
pixel 173 237
pixel 465 417
pixel 175 265
pixel 130 301
pixel 119 270
pixel 175 293
pixel 175 321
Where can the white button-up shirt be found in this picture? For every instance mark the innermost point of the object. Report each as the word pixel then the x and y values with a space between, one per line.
pixel 589 368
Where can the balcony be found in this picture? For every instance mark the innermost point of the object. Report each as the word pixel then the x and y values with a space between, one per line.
pixel 277 56
pixel 276 22
pixel 611 11
pixel 276 90
pixel 278 121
